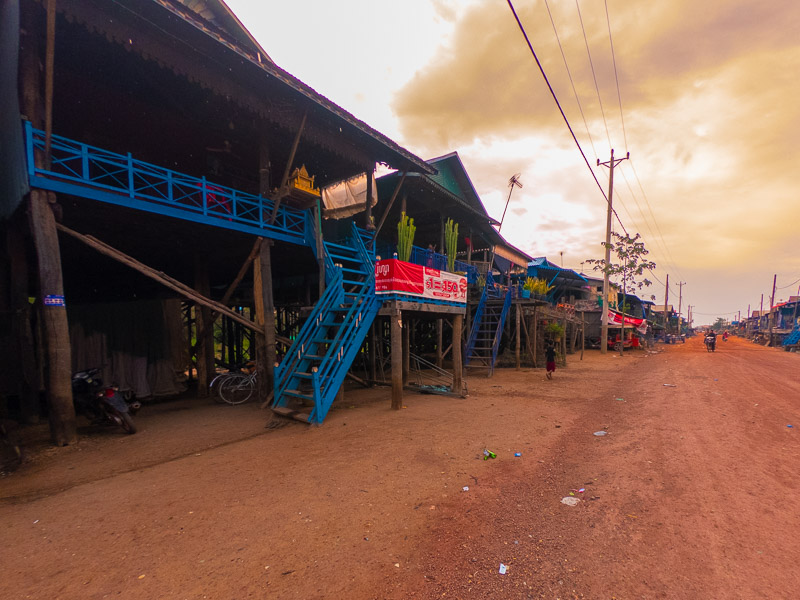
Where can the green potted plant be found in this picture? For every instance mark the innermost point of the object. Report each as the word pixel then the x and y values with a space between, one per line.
pixel 555 330
pixel 527 287
pixel 450 243
pixel 405 237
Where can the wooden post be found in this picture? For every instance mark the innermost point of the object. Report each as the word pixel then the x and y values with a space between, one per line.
pixel 320 246
pixel 396 321
pixel 205 329
pixel 57 349
pixel 373 341
pixel 535 335
pixel 368 224
pixel 517 335
pixel 265 316
pixel 564 343
pixel 406 349
pixel 458 367
pixel 583 333
pixel 439 354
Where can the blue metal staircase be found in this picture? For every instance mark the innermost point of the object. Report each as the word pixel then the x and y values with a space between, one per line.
pixel 487 327
pixel 793 337
pixel 310 375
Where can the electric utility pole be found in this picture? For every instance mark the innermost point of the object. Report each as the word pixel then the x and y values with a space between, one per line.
pixel 666 307
pixel 771 308
pixel 604 330
pixel 680 301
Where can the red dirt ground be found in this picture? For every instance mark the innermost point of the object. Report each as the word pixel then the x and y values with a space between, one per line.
pixel 689 495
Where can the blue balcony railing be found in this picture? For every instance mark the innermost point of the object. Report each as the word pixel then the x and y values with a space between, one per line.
pixel 86 171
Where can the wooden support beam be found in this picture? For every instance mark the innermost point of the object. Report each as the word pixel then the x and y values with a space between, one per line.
pixel 439 353
pixel 389 205
pixel 406 349
pixel 517 334
pixel 162 278
pixel 583 332
pixel 50 52
pixel 58 382
pixel 265 316
pixel 528 343
pixel 373 341
pixel 458 367
pixel 55 347
pixel 234 284
pixel 205 330
pixel 282 191
pixel 357 379
pixel 368 224
pixel 396 324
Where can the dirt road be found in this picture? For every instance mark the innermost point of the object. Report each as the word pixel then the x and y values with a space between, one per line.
pixel 690 494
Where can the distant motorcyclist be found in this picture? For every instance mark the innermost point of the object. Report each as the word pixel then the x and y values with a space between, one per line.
pixel 711 340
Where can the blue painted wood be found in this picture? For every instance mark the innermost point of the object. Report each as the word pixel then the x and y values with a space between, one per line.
pixel 332 336
pixel 89 172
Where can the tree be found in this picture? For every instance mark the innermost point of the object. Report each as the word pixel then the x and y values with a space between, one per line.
pixel 630 266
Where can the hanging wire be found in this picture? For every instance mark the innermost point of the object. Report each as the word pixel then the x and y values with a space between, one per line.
pixel 561 110
pixel 616 77
pixel 571 82
pixel 594 76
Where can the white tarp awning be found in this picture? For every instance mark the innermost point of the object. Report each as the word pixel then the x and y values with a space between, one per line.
pixel 348 197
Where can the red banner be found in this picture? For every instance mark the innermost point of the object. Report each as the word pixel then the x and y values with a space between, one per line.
pixel 615 318
pixel 394 276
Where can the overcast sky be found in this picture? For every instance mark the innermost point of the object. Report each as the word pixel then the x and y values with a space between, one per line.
pixel 708 94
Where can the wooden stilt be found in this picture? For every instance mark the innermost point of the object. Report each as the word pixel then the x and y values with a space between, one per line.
pixel 406 349
pixel 439 353
pixel 583 333
pixel 58 352
pixel 54 327
pixel 458 367
pixel 517 336
pixel 396 324
pixel 535 334
pixel 373 341
pixel 205 330
pixel 529 345
pixel 564 342
pixel 265 316
pixel 368 220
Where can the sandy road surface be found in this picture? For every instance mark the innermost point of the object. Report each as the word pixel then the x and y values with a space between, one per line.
pixel 691 494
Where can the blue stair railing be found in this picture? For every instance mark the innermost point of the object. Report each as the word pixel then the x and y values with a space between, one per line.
pixel 469 351
pixel 793 337
pixel 318 361
pixel 484 338
pixel 500 327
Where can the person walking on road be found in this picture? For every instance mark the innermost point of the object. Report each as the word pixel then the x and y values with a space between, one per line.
pixel 550 359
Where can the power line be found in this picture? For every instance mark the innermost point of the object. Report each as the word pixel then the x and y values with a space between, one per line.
pixel 616 77
pixel 790 285
pixel 561 110
pixel 594 77
pixel 571 82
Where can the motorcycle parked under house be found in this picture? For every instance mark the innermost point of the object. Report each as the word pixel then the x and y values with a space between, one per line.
pixel 102 403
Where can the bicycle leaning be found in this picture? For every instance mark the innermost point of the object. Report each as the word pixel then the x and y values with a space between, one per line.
pixel 235 387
